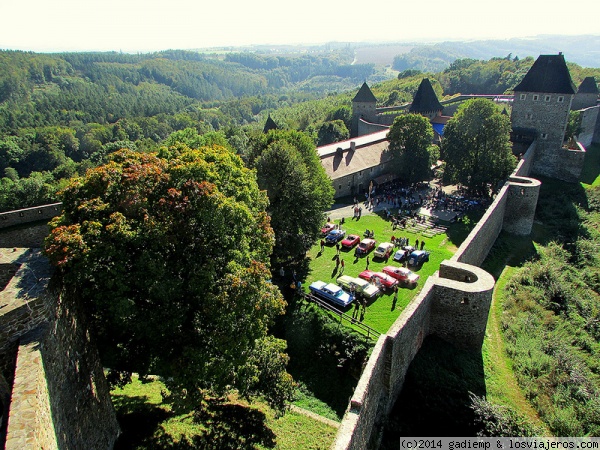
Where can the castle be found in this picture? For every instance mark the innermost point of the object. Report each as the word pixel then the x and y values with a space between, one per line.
pixel 541 106
pixel 52 390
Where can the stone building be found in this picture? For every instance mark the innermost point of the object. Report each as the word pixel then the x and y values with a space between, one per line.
pixel 541 106
pixel 353 164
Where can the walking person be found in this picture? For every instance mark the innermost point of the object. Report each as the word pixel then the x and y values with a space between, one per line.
pixel 337 248
pixel 343 264
pixel 367 262
pixel 322 245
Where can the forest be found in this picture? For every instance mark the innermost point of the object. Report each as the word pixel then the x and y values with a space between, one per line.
pixel 61 114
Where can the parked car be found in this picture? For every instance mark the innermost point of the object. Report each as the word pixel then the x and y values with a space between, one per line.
pixel 365 246
pixel 384 250
pixel 335 236
pixel 331 292
pixel 350 241
pixel 361 287
pixel 327 228
pixel 401 254
pixel 402 274
pixel 418 257
pixel 379 278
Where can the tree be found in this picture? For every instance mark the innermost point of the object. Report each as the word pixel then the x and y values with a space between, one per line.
pixel 333 131
pixel 170 257
pixel 476 147
pixel 299 191
pixel 410 143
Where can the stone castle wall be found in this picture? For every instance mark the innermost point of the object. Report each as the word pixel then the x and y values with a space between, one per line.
pixel 27 215
pixel 453 304
pixel 60 398
pixel 589 124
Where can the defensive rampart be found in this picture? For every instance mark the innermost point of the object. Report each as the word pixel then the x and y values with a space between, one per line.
pixel 453 304
pixel 60 398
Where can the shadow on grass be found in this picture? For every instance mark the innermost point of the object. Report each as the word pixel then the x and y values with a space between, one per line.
pixel 223 425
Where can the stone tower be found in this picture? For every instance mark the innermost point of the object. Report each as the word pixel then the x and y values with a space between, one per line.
pixel 587 94
pixel 364 106
pixel 541 106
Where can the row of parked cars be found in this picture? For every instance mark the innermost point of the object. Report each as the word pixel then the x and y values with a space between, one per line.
pixel 369 285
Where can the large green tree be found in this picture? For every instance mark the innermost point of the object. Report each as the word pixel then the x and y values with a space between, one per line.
pixel 299 191
pixel 477 148
pixel 170 255
pixel 411 145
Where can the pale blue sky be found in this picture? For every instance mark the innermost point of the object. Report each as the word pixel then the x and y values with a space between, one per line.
pixel 147 25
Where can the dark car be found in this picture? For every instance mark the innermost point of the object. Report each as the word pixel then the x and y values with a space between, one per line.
pixel 418 257
pixel 335 236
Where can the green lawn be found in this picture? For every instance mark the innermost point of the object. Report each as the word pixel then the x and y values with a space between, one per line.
pixel 379 315
pixel 148 424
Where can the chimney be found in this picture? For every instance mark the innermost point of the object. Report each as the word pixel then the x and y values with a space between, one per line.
pixel 352 146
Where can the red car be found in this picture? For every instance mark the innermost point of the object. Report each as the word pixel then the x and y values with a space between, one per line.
pixel 365 246
pixel 327 228
pixel 379 278
pixel 402 274
pixel 350 241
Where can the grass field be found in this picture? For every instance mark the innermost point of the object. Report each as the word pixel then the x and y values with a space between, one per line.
pixel 380 314
pixel 149 424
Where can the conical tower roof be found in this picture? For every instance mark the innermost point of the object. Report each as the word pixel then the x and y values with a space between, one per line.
pixel 364 95
pixel 588 86
pixel 425 99
pixel 270 125
pixel 550 74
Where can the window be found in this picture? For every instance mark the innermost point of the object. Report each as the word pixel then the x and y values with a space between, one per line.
pixel 561 99
pixel 546 98
pixel 529 115
pixel 544 135
pixel 522 96
pixel 340 187
pixel 536 97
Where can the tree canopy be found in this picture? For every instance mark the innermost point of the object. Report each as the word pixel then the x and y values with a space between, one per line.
pixel 170 255
pixel 476 146
pixel 410 143
pixel 299 191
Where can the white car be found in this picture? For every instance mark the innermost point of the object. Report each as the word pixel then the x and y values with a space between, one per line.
pixel 384 250
pixel 362 287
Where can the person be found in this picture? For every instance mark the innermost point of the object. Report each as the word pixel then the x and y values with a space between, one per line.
pixel 417 243
pixel 422 244
pixel 337 248
pixel 343 264
pixel 322 245
pixel 281 272
pixel 367 261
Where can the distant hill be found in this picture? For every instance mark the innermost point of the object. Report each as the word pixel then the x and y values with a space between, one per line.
pixel 583 50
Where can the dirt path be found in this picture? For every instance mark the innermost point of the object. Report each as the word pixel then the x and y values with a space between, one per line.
pixel 312 415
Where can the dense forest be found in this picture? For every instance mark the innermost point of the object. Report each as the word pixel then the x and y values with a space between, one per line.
pixel 61 114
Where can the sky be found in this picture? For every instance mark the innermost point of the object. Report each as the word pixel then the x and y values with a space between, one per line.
pixel 150 25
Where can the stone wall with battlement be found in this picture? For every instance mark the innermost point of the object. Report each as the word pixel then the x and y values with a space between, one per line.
pixel 453 304
pixel 28 215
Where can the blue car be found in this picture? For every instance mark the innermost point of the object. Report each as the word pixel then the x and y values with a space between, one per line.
pixel 418 257
pixel 331 292
pixel 335 236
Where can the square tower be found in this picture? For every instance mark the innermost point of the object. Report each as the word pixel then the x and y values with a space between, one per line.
pixel 542 102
